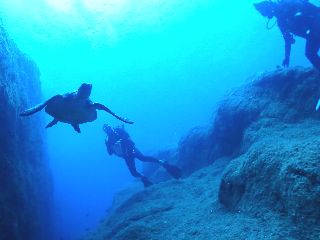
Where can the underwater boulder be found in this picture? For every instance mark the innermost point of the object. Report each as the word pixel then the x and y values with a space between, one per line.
pixel 192 154
pixel 280 171
pixel 231 189
pixel 277 167
pixel 285 95
pixel 194 151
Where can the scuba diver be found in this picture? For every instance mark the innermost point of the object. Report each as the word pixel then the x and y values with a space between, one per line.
pixel 118 142
pixel 295 17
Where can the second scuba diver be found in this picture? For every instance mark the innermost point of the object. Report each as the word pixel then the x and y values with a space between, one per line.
pixel 118 142
pixel 295 17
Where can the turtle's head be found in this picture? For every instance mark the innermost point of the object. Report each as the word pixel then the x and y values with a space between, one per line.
pixel 84 90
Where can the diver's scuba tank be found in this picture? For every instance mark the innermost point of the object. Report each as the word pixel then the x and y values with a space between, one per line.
pixel 122 148
pixel 117 148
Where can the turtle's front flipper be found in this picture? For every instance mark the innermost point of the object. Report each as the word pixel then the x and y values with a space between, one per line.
pixel 53 122
pixel 76 127
pixel 100 106
pixel 33 110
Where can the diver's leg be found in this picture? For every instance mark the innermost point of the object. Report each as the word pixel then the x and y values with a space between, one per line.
pixel 144 158
pixel 132 168
pixel 312 48
pixel 171 169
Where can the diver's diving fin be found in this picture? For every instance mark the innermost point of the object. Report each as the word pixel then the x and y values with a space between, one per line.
pixel 174 171
pixel 318 105
pixel 146 182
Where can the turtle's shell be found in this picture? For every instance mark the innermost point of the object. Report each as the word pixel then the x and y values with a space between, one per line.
pixel 71 109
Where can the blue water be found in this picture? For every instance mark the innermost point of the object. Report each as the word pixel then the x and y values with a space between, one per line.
pixel 163 64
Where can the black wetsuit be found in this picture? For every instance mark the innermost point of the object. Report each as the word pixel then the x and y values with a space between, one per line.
pixel 129 152
pixel 300 18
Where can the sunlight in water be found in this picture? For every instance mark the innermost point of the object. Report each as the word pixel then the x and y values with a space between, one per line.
pixel 61 5
pixel 93 17
pixel 106 6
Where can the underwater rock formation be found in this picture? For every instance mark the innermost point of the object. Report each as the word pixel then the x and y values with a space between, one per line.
pixel 253 174
pixel 25 196
pixel 288 96
pixel 279 168
pixel 280 171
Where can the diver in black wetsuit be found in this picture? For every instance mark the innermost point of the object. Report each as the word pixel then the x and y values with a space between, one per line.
pixel 295 17
pixel 118 142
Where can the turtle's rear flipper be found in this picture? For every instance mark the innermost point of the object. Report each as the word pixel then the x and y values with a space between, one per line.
pixel 100 106
pixel 53 122
pixel 76 127
pixel 33 110
pixel 172 170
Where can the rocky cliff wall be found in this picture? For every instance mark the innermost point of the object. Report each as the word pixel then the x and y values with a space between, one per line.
pixel 25 196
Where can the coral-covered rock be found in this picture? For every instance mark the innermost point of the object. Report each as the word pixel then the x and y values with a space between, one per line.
pixel 194 151
pixel 25 196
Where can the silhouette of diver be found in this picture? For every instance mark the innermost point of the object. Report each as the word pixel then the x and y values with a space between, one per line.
pixel 118 142
pixel 295 17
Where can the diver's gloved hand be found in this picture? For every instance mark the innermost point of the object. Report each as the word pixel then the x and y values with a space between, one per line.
pixel 285 63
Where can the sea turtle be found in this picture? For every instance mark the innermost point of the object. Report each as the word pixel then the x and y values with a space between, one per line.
pixel 74 108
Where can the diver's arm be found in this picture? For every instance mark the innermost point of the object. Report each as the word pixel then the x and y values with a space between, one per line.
pixel 109 147
pixel 286 60
pixel 288 41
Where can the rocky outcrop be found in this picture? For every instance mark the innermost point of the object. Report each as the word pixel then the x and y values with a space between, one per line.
pixel 283 95
pixel 262 179
pixel 279 166
pixel 25 197
pixel 279 171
